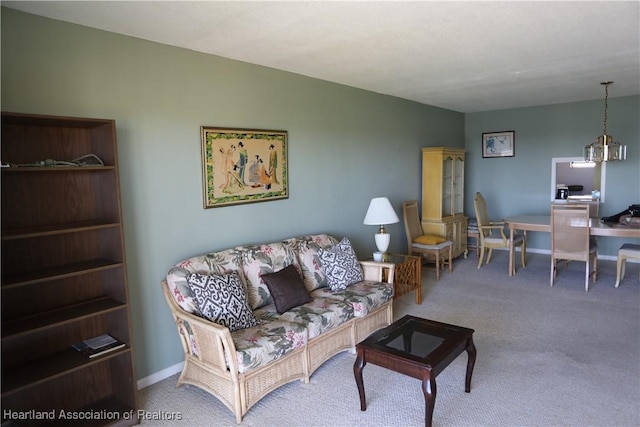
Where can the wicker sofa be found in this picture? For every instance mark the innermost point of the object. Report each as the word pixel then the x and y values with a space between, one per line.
pixel 240 365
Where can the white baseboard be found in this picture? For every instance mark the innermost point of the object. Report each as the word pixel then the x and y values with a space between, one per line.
pixel 160 375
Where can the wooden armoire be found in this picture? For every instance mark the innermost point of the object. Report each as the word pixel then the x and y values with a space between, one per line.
pixel 443 195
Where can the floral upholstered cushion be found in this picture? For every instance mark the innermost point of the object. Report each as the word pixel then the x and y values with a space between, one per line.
pixel 221 299
pixel 307 248
pixel 341 265
pixel 287 288
pixel 365 296
pixel 263 259
pixel 318 316
pixel 184 328
pixel 212 263
pixel 257 346
pixel 180 290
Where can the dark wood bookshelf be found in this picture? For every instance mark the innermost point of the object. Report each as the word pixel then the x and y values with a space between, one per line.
pixel 63 276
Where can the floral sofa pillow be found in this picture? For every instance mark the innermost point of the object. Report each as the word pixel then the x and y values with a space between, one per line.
pixel 263 259
pixel 221 262
pixel 307 248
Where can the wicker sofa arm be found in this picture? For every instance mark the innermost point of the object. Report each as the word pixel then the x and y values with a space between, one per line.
pixel 378 271
pixel 202 339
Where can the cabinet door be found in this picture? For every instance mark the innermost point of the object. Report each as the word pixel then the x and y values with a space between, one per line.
pixel 460 236
pixel 458 185
pixel 447 185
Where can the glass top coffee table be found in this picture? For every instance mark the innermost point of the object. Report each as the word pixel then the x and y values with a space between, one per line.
pixel 419 348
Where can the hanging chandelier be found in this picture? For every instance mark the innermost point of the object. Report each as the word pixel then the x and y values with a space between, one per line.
pixel 605 148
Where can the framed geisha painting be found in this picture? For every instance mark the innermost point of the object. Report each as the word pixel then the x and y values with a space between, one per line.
pixel 243 166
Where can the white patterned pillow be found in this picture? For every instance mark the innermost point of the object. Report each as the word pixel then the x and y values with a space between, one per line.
pixel 341 265
pixel 221 299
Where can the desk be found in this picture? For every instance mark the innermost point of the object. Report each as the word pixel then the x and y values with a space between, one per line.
pixel 543 223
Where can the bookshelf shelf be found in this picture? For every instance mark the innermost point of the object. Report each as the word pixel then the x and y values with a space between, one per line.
pixel 49 368
pixel 58 272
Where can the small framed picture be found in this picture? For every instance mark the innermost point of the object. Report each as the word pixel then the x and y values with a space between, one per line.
pixel 499 144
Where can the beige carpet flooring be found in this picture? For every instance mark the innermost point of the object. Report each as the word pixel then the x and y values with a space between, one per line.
pixel 546 357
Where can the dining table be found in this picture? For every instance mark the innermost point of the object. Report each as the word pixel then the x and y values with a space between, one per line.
pixel 543 223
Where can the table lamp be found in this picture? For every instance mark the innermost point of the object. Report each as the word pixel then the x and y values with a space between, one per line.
pixel 380 213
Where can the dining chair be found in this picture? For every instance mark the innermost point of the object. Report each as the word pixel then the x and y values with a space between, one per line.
pixel 421 244
pixel 570 240
pixel 626 251
pixel 492 235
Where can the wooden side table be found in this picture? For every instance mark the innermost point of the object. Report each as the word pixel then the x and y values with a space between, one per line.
pixel 408 274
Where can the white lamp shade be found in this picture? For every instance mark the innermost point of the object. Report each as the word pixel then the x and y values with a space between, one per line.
pixel 380 212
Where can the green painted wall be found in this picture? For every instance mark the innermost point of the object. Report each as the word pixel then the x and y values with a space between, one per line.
pixel 521 184
pixel 345 147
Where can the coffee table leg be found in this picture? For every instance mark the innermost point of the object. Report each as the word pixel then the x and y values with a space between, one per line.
pixel 429 390
pixel 471 361
pixel 357 372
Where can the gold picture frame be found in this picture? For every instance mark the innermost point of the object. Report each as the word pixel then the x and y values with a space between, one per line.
pixel 243 166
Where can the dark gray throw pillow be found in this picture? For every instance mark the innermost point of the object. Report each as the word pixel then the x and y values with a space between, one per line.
pixel 287 288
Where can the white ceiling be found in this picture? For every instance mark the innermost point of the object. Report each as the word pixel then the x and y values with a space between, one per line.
pixel 463 56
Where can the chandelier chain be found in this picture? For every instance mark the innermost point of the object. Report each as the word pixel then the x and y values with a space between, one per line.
pixel 606 105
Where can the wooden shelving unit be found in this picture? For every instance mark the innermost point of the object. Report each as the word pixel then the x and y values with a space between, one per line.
pixel 63 277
